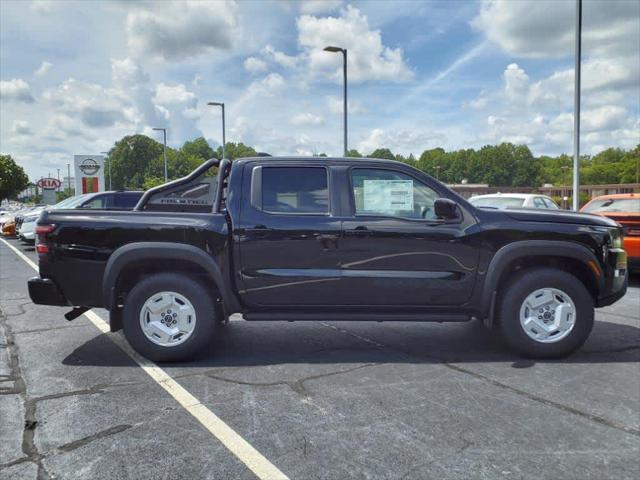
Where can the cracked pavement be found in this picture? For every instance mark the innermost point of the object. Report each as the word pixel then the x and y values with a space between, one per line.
pixel 320 400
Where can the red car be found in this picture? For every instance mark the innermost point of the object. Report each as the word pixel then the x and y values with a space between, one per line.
pixel 624 208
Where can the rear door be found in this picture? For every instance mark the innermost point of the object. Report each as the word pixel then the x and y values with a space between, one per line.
pixel 395 251
pixel 288 235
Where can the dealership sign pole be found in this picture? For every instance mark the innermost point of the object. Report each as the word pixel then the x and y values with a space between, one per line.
pixel 89 173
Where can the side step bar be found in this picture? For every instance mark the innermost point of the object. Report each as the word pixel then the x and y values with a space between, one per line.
pixel 368 317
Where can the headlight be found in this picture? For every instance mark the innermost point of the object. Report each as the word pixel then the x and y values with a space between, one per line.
pixel 616 239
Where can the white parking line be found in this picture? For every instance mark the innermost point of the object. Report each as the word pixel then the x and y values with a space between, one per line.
pixel 237 445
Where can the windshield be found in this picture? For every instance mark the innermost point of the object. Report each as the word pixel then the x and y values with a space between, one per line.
pixel 614 205
pixel 73 202
pixel 497 202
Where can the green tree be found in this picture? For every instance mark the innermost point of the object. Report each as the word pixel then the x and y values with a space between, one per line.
pixel 198 148
pixel 382 153
pixel 130 158
pixel 12 178
pixel 236 150
pixel 353 153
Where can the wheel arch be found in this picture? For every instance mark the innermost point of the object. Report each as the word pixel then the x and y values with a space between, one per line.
pixel 186 258
pixel 569 256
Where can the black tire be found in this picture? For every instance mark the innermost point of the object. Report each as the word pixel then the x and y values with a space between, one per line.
pixel 186 286
pixel 522 285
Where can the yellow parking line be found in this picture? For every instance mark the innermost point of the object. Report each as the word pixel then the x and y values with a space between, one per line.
pixel 254 460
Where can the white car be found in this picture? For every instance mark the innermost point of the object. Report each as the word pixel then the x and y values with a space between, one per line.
pixel 513 200
pixel 26 232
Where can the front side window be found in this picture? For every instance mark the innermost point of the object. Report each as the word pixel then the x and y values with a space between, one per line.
pixel 389 193
pixel 295 190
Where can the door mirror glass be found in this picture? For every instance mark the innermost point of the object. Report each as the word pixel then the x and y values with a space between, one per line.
pixel 446 209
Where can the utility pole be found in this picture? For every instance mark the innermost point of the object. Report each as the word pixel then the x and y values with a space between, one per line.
pixel 344 86
pixel 576 109
pixel 224 140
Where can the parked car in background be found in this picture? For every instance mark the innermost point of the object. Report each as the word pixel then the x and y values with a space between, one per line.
pixel 513 200
pixel 122 200
pixel 624 208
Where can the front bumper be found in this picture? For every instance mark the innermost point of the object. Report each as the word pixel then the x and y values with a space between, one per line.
pixel 44 291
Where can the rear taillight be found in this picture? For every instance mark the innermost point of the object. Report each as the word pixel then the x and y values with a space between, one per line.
pixel 42 231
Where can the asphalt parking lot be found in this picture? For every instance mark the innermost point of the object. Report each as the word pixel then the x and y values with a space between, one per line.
pixel 316 399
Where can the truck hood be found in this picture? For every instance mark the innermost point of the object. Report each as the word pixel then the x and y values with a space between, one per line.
pixel 558 216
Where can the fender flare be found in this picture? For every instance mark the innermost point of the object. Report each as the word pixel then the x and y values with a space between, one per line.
pixel 137 251
pixel 531 248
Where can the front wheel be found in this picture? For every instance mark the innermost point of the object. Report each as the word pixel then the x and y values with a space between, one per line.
pixel 168 317
pixel 545 313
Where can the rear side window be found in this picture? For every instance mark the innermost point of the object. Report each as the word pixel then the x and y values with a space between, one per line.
pixel 539 203
pixel 126 200
pixel 295 190
pixel 550 204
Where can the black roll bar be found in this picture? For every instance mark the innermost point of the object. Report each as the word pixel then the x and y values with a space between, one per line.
pixel 212 162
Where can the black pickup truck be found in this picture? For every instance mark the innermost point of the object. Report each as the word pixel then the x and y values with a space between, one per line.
pixel 327 239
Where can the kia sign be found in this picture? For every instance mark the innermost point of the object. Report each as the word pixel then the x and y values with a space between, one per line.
pixel 89 170
pixel 49 183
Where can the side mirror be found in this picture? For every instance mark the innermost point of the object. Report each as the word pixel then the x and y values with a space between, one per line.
pixel 445 208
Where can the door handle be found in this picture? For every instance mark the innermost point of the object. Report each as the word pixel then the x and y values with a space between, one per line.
pixel 360 231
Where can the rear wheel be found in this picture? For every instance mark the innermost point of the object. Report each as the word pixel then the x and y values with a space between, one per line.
pixel 169 317
pixel 545 313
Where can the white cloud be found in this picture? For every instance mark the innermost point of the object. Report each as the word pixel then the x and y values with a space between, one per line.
pixel 336 105
pixel 368 58
pixel 306 119
pixel 280 58
pixel 197 80
pixel 15 90
pixel 176 30
pixel 403 141
pixel 42 6
pixel 255 65
pixel 319 6
pixel 43 69
pixel 542 29
pixel 516 83
pixel 20 127
pixel 171 95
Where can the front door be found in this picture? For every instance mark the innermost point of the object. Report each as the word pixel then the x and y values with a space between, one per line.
pixel 288 236
pixel 395 251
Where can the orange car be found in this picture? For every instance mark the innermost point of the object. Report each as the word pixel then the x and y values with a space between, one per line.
pixel 624 208
pixel 9 227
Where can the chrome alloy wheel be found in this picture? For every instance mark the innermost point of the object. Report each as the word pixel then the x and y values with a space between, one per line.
pixel 547 315
pixel 167 319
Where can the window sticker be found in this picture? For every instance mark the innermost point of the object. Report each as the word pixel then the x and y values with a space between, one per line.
pixel 388 196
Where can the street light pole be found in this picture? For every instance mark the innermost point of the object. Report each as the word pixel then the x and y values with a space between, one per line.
pixel 164 152
pixel 69 177
pixel 224 140
pixel 576 112
pixel 344 95
pixel 109 160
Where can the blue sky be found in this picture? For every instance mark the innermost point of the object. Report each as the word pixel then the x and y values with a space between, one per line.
pixel 77 76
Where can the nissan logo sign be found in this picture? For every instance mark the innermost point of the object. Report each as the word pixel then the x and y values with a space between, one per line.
pixel 89 166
